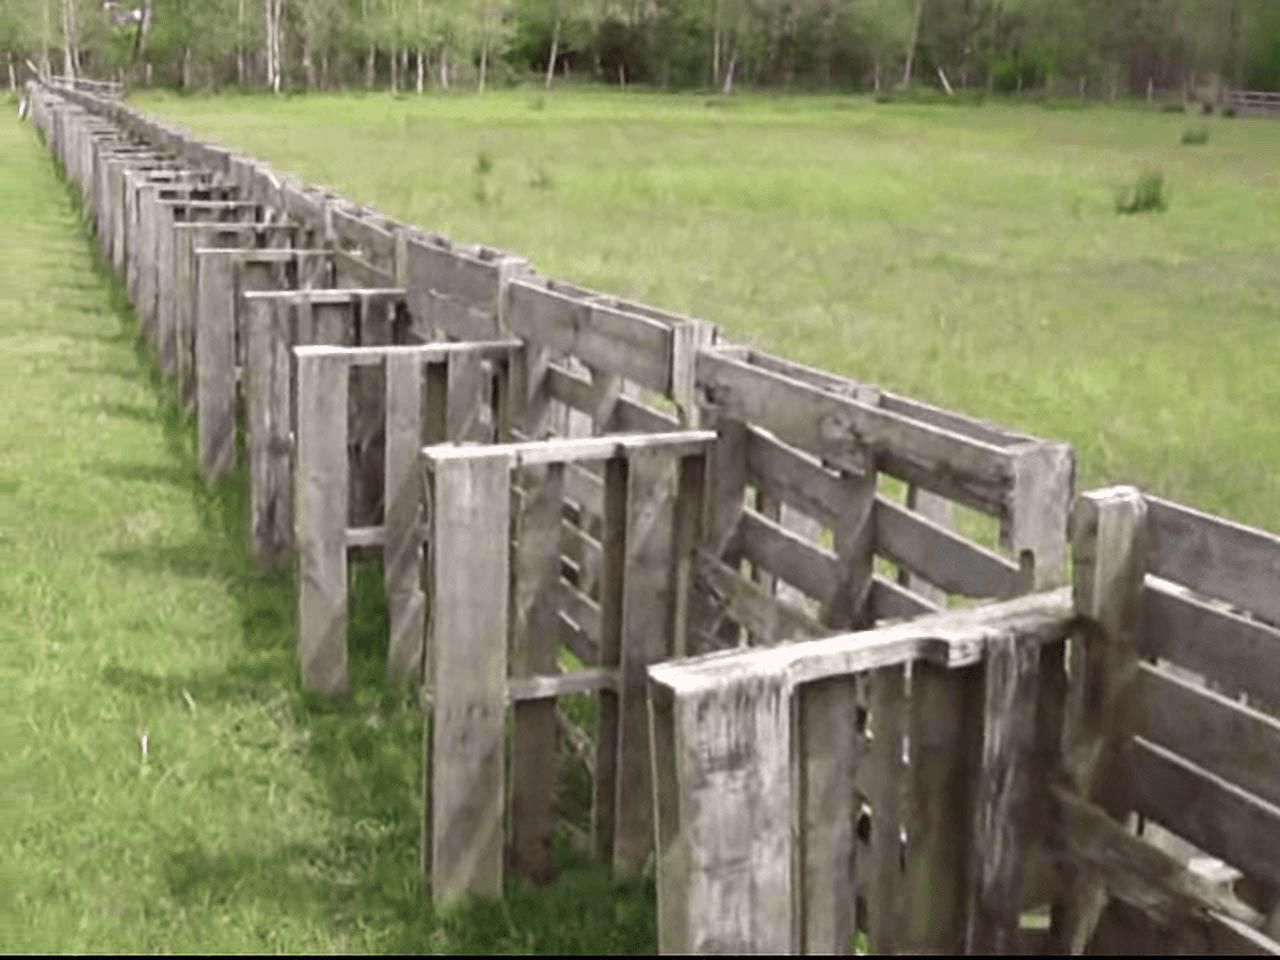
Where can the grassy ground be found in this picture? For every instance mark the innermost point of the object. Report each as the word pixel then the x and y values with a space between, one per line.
pixel 967 255
pixel 164 787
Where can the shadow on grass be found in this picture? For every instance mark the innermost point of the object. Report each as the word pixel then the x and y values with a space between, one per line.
pixel 365 751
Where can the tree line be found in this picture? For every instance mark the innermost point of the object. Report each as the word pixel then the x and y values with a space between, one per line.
pixel 1093 48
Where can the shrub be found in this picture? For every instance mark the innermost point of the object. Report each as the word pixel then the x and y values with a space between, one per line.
pixel 542 180
pixel 1146 195
pixel 1173 108
pixel 484 163
pixel 1229 112
pixel 1195 136
pixel 884 98
pixel 1206 108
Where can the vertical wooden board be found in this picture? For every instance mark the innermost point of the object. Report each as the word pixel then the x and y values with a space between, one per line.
pixel 879 866
pixel 1001 829
pixel 146 302
pixel 215 365
pixel 166 334
pixel 402 547
pixel 727 485
pixel 828 759
pixel 831 744
pixel 270 417
pixel 368 419
pixel 470 570
pixel 734 871
pixel 613 565
pixel 1109 554
pixel 1043 485
pixel 183 323
pixel 466 400
pixel 939 510
pixel 321 524
pixel 648 628
pixel 534 644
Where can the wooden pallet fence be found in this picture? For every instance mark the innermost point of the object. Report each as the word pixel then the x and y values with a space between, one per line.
pixel 274 324
pixel 797 501
pixel 264 261
pixel 1166 588
pixel 418 408
pixel 495 595
pixel 739 870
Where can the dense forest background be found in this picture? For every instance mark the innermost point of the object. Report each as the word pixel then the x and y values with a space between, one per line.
pixel 1092 48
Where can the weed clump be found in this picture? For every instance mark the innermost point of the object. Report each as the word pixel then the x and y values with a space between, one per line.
pixel 484 164
pixel 1173 108
pixel 541 180
pixel 538 103
pixel 1147 195
pixel 1195 136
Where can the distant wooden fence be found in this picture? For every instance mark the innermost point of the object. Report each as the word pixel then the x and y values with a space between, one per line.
pixel 555 474
pixel 1257 102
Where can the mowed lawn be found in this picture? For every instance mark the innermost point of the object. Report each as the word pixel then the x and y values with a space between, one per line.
pixel 971 256
pixel 164 786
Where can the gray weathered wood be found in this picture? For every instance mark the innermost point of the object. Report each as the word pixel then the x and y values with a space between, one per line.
pixel 402 551
pixel 269 419
pixel 215 367
pixel 1216 557
pixel 469 568
pixel 533 653
pixel 322 481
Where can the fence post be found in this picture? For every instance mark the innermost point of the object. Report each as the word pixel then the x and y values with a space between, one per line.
pixel 725 870
pixel 215 364
pixel 322 482
pixel 465 744
pixel 1109 541
pixel 402 550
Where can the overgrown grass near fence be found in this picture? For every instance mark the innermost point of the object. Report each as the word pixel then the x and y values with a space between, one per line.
pixel 968 255
pixel 248 819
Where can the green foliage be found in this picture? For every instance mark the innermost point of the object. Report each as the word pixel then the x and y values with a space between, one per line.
pixel 542 180
pixel 484 163
pixel 1195 136
pixel 1172 108
pixel 1147 195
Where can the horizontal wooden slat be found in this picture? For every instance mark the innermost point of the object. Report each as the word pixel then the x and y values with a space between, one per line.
pixel 578 641
pixel 800 562
pixel 580 608
pixel 461 273
pixel 797 479
pixel 344 296
pixel 953 639
pixel 629 416
pixel 842 431
pixel 352 228
pixel 751 606
pixel 585 489
pixel 580 546
pixel 532 453
pixel 1237 653
pixel 426 352
pixel 940 556
pixel 521 689
pixel 358 272
pixel 1216 557
pixel 624 344
pixel 1215 815
pixel 890 601
pixel 1232 741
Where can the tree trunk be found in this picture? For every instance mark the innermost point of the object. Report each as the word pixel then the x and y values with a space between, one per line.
pixel 422 80
pixel 484 59
pixel 622 75
pixel 13 76
pixel 444 68
pixel 308 63
pixel 146 73
pixel 186 68
pixel 715 52
pixel 730 71
pixel 395 70
pixel 324 69
pixel 240 79
pixel 555 52
pixel 911 44
pixel 68 41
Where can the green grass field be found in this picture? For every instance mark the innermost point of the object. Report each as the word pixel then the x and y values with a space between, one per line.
pixel 253 820
pixel 971 256
pixel 967 255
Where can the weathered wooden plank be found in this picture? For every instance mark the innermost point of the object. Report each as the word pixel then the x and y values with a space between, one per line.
pixel 752 606
pixel 889 601
pixel 796 560
pixel 1109 540
pixel 585 449
pixel 945 559
pixel 215 366
pixel 402 551
pixel 648 636
pixel 1034 528
pixel 469 575
pixel 790 475
pixel 544 688
pixel 1216 557
pixel 1215 815
pixel 840 431
pixel 1239 654
pixel 322 523
pixel 533 654
pixel 882 778
pixel 627 345
pixel 613 539
pixel 352 271
pixel 1001 827
pixel 1232 741
pixel 725 882
pixel 269 422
